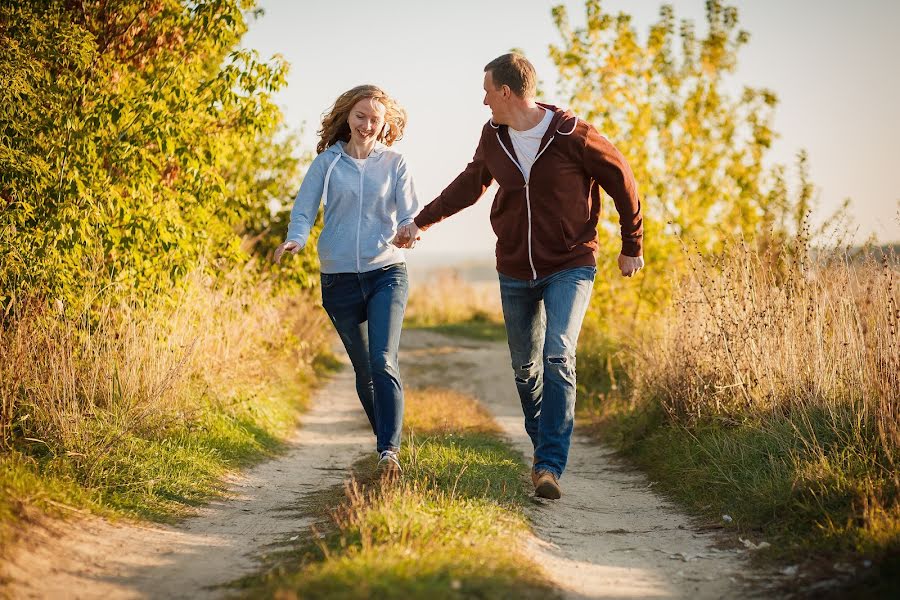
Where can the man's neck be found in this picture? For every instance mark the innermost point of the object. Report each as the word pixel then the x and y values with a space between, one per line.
pixel 526 116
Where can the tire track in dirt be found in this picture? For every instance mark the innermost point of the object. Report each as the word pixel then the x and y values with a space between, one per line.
pixel 609 536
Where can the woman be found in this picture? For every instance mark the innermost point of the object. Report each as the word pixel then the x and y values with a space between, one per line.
pixel 367 194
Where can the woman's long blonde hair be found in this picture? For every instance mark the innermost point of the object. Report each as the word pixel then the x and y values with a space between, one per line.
pixel 334 123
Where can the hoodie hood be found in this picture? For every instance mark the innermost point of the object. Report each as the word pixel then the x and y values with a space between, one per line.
pixel 339 147
pixel 563 122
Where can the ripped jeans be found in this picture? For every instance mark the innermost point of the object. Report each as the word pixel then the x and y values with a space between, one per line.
pixel 367 312
pixel 543 319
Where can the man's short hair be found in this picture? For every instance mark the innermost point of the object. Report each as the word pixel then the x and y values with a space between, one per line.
pixel 515 71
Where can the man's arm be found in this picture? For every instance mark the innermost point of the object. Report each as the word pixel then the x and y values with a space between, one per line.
pixel 608 167
pixel 464 191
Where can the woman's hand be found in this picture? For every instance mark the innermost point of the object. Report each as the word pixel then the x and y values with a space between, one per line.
pixel 289 246
pixel 407 236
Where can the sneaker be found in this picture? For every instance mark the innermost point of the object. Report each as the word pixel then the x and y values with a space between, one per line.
pixel 389 464
pixel 546 485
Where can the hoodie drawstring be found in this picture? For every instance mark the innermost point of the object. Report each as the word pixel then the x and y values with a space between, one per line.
pixel 327 177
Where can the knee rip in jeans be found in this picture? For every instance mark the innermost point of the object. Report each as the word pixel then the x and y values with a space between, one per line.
pixel 524 373
pixel 564 363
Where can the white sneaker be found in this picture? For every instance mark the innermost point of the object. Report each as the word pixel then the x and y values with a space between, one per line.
pixel 389 464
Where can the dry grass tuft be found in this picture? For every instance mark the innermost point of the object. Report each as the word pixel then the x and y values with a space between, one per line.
pixel 746 339
pixel 771 390
pixel 124 408
pixel 77 386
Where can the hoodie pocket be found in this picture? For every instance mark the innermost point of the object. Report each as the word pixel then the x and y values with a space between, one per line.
pixel 566 237
pixel 328 280
pixel 571 238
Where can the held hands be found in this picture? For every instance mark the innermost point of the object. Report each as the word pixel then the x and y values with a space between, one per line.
pixel 289 246
pixel 407 236
pixel 629 265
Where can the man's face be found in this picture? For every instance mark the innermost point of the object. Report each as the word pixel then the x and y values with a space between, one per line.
pixel 496 99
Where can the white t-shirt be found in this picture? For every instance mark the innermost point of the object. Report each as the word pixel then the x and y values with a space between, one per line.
pixel 526 143
pixel 359 161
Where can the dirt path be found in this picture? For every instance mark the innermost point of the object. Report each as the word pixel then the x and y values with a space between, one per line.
pixel 609 536
pixel 97 559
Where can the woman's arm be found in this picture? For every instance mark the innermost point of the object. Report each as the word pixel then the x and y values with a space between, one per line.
pixel 405 195
pixel 306 204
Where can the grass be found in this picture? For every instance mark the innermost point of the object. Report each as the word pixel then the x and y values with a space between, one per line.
pixel 155 475
pixel 139 412
pixel 452 526
pixel 770 394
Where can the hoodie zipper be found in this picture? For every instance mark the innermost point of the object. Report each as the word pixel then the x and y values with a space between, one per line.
pixel 527 193
pixel 359 221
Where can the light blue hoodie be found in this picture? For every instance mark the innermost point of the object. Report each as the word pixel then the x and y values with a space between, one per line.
pixel 364 206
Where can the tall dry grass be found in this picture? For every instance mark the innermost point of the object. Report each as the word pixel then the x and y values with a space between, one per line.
pixel 77 385
pixel 745 337
pixel 785 381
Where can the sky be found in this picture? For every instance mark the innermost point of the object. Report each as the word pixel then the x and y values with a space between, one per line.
pixel 833 65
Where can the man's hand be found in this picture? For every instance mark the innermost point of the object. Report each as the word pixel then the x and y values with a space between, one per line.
pixel 629 265
pixel 289 246
pixel 407 235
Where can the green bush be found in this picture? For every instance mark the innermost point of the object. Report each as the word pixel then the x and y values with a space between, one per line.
pixel 135 140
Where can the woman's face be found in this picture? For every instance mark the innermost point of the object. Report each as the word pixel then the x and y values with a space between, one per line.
pixel 366 120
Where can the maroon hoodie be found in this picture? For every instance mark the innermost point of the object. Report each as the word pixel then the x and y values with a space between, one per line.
pixel 549 222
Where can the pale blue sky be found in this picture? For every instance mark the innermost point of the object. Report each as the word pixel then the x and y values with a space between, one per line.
pixel 833 65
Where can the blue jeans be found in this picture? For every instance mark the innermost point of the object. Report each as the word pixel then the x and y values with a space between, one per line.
pixel 543 319
pixel 367 312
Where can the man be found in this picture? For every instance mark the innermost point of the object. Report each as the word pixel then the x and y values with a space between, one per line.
pixel 549 165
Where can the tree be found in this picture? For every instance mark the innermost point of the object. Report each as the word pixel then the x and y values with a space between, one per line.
pixel 697 150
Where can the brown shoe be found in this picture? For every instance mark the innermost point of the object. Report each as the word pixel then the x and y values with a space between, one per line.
pixel 546 485
pixel 534 475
